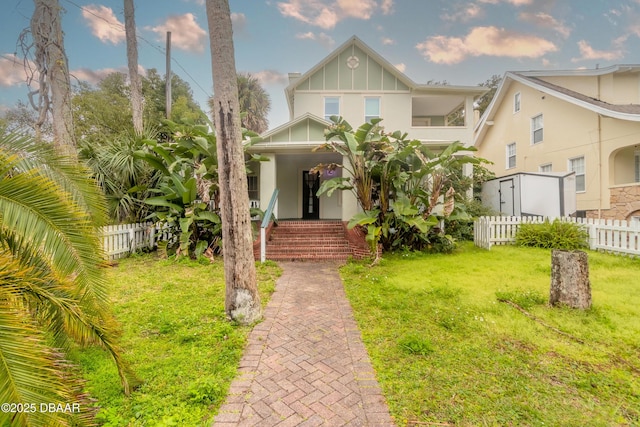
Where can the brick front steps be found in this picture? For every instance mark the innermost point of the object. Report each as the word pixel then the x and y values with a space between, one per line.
pixel 318 240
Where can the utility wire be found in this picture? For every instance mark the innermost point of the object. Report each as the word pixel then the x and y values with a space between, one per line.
pixel 121 27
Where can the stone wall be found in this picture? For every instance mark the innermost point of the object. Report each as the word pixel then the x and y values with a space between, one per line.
pixel 625 202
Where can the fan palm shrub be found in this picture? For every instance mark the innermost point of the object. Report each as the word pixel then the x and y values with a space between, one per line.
pixel 52 292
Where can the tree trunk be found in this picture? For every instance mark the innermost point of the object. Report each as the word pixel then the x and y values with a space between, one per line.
pixel 53 73
pixel 132 61
pixel 570 284
pixel 242 302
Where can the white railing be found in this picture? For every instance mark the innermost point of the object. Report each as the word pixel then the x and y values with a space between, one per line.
pixel 607 235
pixel 120 240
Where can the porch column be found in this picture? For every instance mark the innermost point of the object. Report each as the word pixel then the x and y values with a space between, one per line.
pixel 467 171
pixel 268 181
pixel 350 205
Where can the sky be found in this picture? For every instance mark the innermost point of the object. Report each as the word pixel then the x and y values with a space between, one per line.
pixel 460 42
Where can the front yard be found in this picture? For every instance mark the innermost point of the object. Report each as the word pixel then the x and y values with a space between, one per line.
pixel 449 352
pixel 446 349
pixel 177 339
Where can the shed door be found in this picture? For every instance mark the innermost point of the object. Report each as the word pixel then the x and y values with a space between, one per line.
pixel 506 197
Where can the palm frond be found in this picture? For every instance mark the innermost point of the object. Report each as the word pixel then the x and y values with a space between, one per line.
pixel 48 217
pixel 28 372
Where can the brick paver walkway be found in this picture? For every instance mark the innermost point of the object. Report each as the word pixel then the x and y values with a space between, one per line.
pixel 305 364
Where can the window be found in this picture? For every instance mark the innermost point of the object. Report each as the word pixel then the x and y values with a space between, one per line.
pixel 331 107
pixel 545 168
pixel 371 109
pixel 254 190
pixel 637 163
pixel 577 165
pixel 536 129
pixel 511 155
pixel 516 102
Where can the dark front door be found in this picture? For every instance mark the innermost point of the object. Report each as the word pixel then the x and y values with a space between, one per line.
pixel 310 202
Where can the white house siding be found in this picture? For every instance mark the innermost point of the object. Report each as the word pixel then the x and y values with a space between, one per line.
pixel 289 181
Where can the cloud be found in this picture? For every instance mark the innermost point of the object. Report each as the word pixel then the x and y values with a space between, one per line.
pixel 186 34
pixel 239 22
pixel 588 53
pixel 512 2
pixel 386 41
pixel 387 7
pixel 545 20
pixel 271 77
pixel 322 38
pixel 361 9
pixel 401 67
pixel 487 41
pixel 12 72
pixel 104 24
pixel 96 76
pixel 326 14
pixel 463 13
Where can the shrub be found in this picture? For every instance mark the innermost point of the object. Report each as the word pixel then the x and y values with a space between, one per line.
pixel 462 229
pixel 553 235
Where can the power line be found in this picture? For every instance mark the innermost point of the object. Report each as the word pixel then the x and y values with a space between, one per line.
pixel 121 27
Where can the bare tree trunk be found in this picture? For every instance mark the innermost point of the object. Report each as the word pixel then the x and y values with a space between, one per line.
pixel 132 61
pixel 570 284
pixel 242 302
pixel 53 73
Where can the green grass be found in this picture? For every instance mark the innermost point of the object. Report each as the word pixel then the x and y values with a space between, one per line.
pixel 177 339
pixel 447 351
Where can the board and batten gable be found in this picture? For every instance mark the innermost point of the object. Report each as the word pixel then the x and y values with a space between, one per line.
pixel 352 74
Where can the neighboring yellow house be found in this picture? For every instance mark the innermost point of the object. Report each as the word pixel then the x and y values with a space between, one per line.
pixel 587 121
pixel 358 84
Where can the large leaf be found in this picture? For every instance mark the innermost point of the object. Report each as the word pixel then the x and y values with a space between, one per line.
pixel 403 207
pixel 162 201
pixel 152 160
pixel 364 218
pixel 333 184
pixel 352 143
pixel 208 216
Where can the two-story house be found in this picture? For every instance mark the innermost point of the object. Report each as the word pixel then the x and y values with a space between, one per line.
pixel 586 121
pixel 358 84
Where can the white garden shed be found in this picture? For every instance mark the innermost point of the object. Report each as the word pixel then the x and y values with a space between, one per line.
pixel 550 194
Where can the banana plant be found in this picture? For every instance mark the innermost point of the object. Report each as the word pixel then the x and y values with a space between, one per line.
pixel 397 182
pixel 187 161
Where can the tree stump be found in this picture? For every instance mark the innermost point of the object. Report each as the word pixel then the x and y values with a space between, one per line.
pixel 570 284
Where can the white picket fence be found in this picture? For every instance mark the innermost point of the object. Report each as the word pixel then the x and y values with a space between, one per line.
pixel 119 241
pixel 607 235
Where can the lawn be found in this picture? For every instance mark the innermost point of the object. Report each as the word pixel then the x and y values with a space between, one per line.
pixel 177 339
pixel 449 352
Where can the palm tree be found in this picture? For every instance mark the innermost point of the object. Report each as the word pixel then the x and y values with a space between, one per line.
pixel 125 179
pixel 255 103
pixel 52 290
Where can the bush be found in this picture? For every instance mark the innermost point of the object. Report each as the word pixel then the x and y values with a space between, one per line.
pixel 553 235
pixel 463 229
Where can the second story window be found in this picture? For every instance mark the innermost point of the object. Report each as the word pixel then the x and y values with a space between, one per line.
pixel 536 129
pixel 516 102
pixel 511 155
pixel 371 109
pixel 331 107
pixel 637 165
